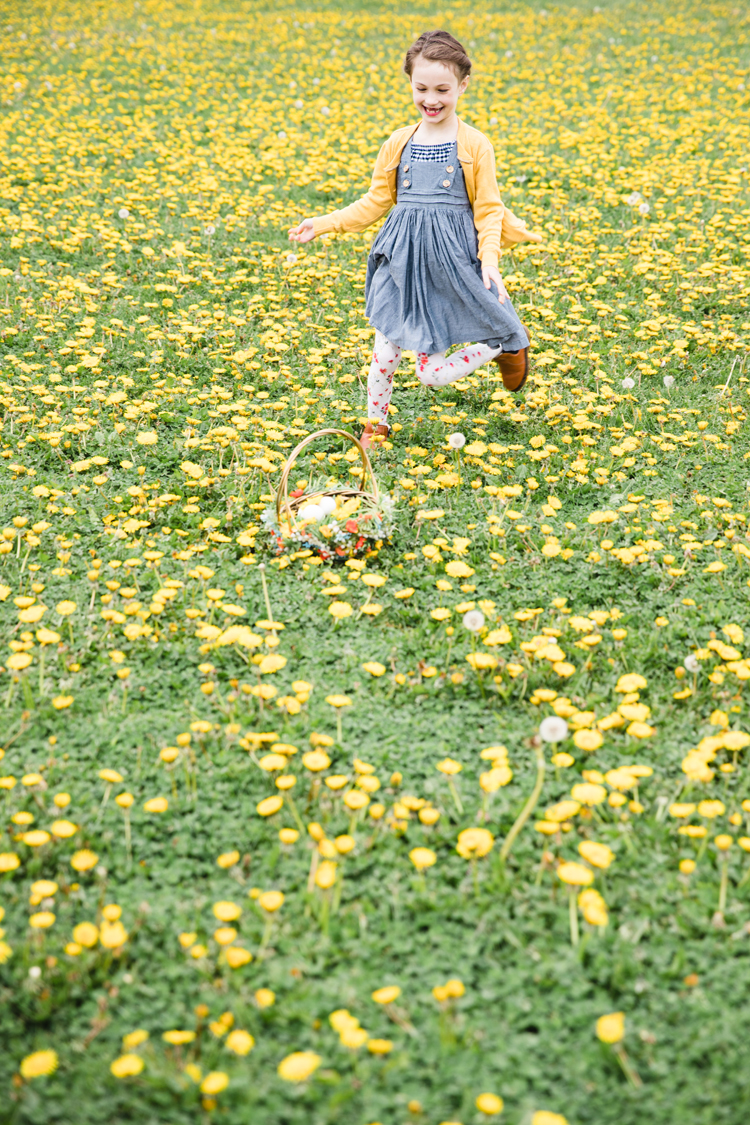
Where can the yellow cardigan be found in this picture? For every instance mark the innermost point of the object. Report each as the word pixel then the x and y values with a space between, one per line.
pixel 497 227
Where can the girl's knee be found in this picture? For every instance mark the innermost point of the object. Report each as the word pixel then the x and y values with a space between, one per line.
pixel 427 378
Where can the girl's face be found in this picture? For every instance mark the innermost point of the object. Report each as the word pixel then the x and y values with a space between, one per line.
pixel 436 89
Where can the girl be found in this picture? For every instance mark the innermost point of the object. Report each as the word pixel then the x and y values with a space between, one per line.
pixel 432 275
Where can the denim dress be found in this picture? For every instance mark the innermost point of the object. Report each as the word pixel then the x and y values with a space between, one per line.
pixel 424 288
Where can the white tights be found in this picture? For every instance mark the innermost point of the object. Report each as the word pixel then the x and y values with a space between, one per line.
pixel 432 370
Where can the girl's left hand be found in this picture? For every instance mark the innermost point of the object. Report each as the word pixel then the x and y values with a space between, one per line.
pixel 492 273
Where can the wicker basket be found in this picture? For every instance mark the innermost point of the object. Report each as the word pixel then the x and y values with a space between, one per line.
pixel 287 507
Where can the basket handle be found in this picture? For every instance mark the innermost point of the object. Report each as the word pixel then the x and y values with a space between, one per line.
pixel 282 492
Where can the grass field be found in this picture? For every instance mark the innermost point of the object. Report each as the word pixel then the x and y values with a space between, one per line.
pixel 583 557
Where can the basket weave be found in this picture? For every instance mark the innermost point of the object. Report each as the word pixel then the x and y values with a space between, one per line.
pixel 290 506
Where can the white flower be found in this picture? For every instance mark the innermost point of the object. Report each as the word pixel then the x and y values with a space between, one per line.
pixel 628 383
pixel 312 512
pixel 473 620
pixel 123 213
pixel 553 729
pixel 210 229
pixel 692 663
pixel 299 103
pixel 291 258
pixel 668 381
pixel 35 972
pixel 509 54
pixel 644 209
pixel 493 121
pixel 325 110
pixel 456 441
pixel 281 135
pixel 634 197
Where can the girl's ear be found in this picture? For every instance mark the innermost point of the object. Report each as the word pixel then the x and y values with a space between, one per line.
pixel 463 85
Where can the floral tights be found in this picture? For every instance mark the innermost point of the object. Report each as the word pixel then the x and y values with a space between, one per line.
pixel 432 370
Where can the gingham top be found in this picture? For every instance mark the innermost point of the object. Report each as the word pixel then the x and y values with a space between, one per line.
pixel 434 154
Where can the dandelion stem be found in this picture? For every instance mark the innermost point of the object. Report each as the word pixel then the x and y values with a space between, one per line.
pixel 27 693
pixel 723 884
pixel 266 937
pixel 627 1067
pixel 295 812
pixel 455 795
pixel 105 798
pixel 573 911
pixel 314 860
pixel 262 569
pixel 528 808
pixel 336 903
pixel 128 840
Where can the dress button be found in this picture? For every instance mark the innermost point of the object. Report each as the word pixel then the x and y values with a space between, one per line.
pixel 406 167
pixel 446 183
pixel 449 168
pixel 406 183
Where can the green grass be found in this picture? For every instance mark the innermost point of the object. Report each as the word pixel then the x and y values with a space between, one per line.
pixel 582 115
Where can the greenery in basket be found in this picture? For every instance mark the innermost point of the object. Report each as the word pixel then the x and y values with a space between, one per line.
pixel 334 527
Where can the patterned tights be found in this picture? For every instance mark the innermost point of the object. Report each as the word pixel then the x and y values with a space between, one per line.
pixel 432 370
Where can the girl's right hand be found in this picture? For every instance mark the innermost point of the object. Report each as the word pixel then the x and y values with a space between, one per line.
pixel 305 232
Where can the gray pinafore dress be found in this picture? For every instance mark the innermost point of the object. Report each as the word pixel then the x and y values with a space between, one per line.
pixel 424 288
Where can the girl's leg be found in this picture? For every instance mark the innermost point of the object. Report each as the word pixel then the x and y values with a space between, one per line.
pixel 385 360
pixel 437 371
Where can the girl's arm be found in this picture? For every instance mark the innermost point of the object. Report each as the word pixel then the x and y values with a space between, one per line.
pixel 358 215
pixel 496 225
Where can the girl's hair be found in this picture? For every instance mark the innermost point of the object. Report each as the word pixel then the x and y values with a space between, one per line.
pixel 439 46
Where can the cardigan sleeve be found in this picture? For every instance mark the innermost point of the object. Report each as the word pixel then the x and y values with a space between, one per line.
pixel 366 210
pixel 496 225
pixel 488 207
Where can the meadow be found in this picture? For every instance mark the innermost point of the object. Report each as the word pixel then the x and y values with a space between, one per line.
pixel 457 829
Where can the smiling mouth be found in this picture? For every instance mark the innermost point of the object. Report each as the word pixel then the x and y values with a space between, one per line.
pixel 432 111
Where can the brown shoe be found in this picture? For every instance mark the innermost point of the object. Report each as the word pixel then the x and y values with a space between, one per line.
pixel 370 432
pixel 514 368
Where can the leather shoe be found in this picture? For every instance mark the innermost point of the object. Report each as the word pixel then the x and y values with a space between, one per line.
pixel 514 368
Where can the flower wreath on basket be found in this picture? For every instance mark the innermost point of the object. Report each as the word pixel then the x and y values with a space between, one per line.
pixel 334 523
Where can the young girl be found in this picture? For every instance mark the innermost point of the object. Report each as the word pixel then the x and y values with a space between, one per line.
pixel 432 275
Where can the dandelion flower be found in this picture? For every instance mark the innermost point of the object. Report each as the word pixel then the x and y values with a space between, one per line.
pixel 240 1042
pixel 489 1104
pixel 593 907
pixel 599 855
pixel 84 860
pixel 474 842
pixel 39 1065
pixel 127 1066
pixel 299 1066
pixel 553 729
pixel 387 994
pixel 422 858
pixel 473 620
pixel 379 1046
pixel 271 901
pixel 611 1028
pixel 214 1082
pixel 575 874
